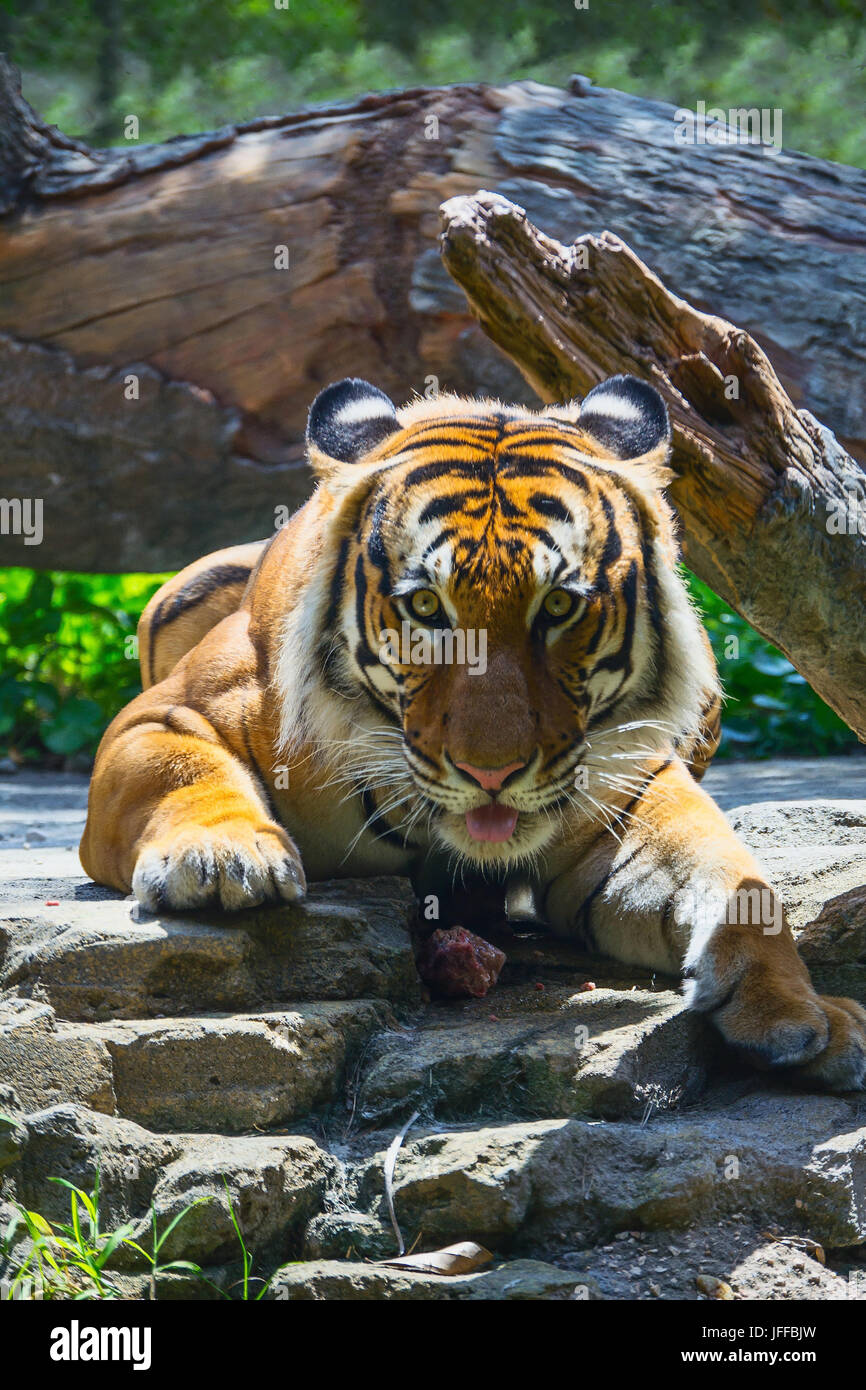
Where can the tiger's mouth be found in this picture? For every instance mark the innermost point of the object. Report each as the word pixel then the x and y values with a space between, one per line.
pixel 494 835
pixel 506 827
pixel 493 823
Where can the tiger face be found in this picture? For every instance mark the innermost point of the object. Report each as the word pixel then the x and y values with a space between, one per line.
pixel 504 609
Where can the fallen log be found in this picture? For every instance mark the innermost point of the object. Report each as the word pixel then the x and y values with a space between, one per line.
pixel 773 509
pixel 158 356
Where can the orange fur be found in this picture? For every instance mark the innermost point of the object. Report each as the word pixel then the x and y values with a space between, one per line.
pixel 276 740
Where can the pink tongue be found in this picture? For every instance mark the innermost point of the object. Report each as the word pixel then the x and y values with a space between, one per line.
pixel 493 822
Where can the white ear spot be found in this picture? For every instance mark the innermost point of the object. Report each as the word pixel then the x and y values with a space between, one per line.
pixel 349 419
pixel 616 408
pixel 359 411
pixel 626 416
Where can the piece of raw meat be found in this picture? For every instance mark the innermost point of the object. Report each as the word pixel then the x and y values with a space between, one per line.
pixel 457 963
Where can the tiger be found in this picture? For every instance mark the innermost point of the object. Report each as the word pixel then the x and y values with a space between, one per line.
pixel 309 713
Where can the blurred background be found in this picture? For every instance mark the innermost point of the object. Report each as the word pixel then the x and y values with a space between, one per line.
pixel 65 664
pixel 197 64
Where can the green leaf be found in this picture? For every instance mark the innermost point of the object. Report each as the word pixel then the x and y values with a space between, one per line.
pixel 199 1202
pixel 112 1243
pixel 76 724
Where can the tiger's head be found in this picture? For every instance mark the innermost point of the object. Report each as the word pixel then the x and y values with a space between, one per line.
pixel 497 615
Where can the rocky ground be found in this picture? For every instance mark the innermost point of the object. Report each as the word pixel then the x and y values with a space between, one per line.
pixel 595 1141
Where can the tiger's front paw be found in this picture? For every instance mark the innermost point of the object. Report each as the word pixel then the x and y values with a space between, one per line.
pixel 841 1066
pixel 818 1039
pixel 234 864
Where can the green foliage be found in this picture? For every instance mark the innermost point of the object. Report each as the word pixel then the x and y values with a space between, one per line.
pixel 205 62
pixel 247 1277
pixel 68 661
pixel 71 1259
pixel 67 667
pixel 770 708
pixel 814 85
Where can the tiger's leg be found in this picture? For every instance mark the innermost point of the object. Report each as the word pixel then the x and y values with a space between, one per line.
pixel 179 817
pixel 191 603
pixel 678 892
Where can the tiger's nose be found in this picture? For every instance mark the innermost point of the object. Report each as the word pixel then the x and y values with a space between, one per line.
pixel 489 778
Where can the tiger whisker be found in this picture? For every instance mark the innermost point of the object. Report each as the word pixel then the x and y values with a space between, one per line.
pixel 379 811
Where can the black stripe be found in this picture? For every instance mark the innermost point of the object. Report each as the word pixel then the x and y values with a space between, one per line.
pixel 528 468
pixel 451 428
pixel 620 660
pixel 193 592
pixel 637 796
pixel 528 438
pixel 377 700
pixel 465 448
pixel 375 543
pixel 657 621
pixel 516 467
pixel 551 506
pixel 583 910
pixel 337 680
pixel 612 543
pixel 651 584
pixel 363 655
pixel 336 585
pixel 427 472
pixel 251 759
pixel 601 624
pixel 447 535
pixel 541 533
pixel 446 506
pixel 196 590
pixel 423 757
pixel 377 821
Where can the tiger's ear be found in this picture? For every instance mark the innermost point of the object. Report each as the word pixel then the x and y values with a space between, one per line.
pixel 626 417
pixel 346 421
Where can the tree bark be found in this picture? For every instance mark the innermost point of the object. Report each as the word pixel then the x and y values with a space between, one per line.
pixel 27 145
pixel 773 509
pixel 159 262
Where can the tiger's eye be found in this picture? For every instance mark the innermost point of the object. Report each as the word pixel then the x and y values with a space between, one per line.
pixel 424 603
pixel 558 603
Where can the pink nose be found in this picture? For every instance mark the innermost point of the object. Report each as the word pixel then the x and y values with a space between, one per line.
pixel 490 778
